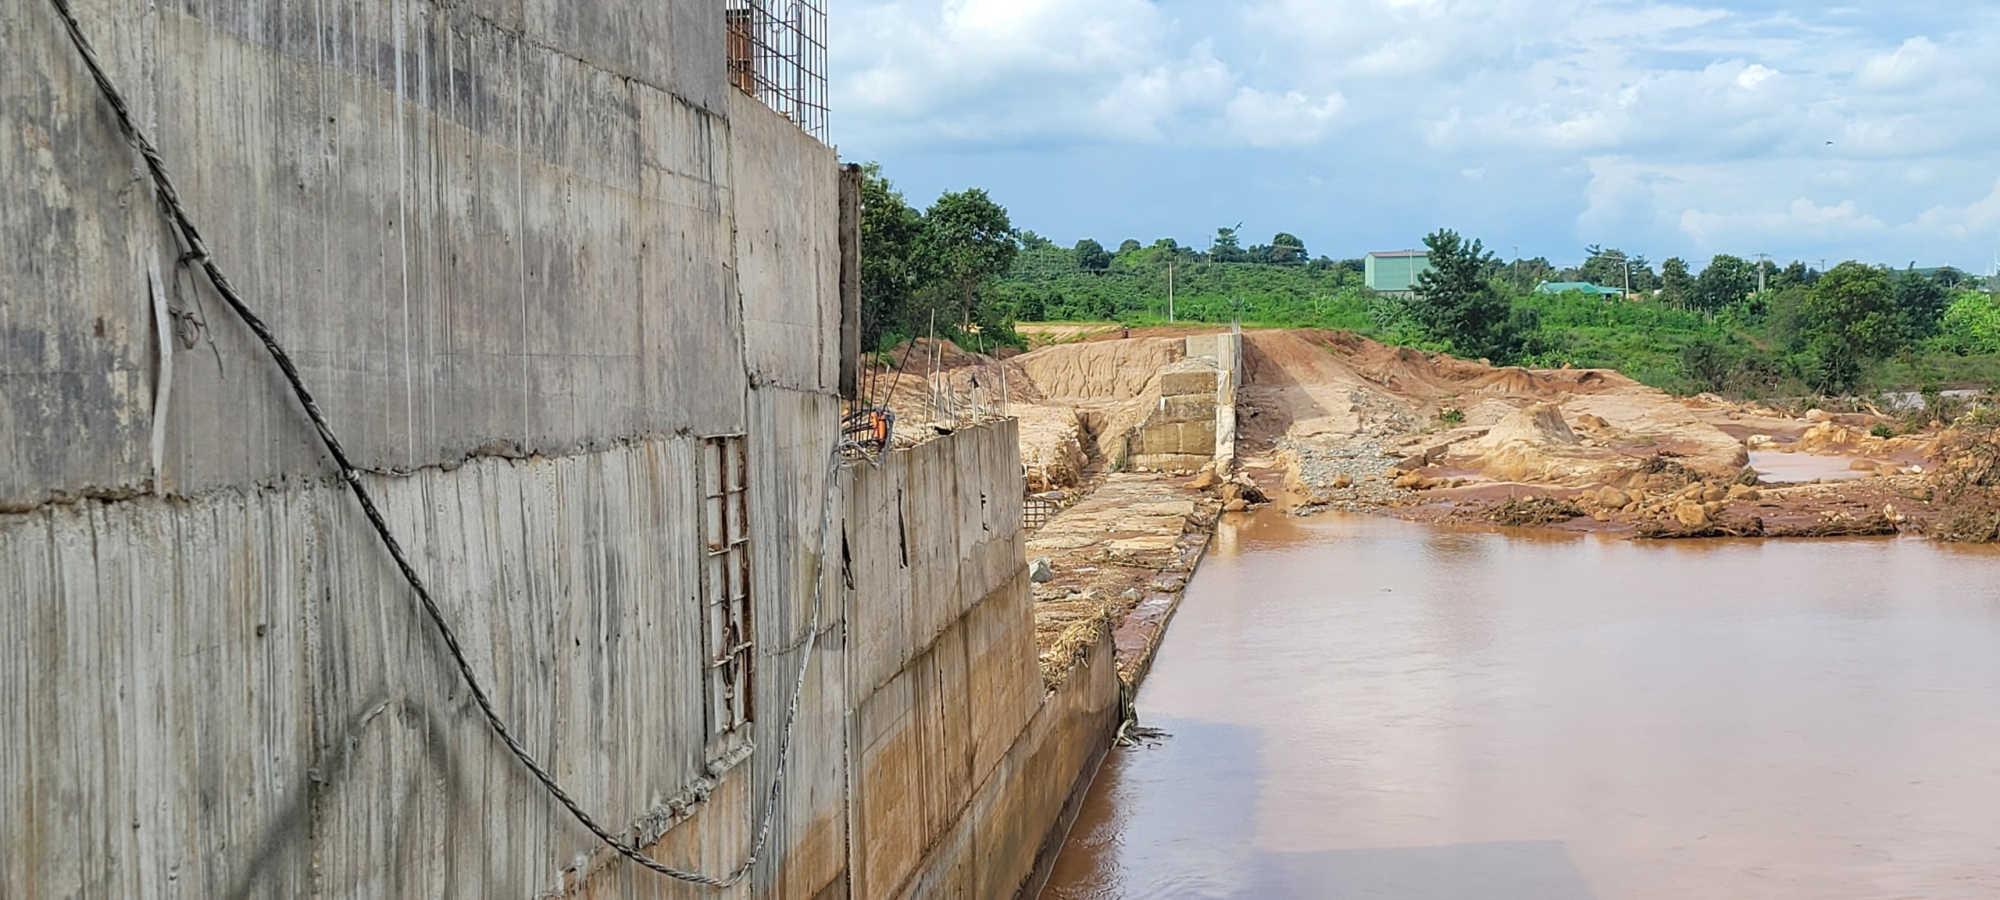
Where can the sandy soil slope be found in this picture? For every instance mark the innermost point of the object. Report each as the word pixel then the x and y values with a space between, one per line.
pixel 1334 420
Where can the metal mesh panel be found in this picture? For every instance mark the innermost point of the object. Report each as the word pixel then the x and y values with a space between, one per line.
pixel 725 589
pixel 777 54
pixel 1037 511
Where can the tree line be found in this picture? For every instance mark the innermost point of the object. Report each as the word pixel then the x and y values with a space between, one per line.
pixel 960 267
pixel 1822 330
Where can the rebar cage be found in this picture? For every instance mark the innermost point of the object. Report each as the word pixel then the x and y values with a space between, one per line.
pixel 777 54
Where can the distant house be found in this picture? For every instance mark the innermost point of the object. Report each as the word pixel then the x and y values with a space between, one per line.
pixel 1585 287
pixel 1395 271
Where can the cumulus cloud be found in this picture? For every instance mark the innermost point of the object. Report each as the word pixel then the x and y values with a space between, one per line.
pixel 1696 125
pixel 1918 58
pixel 1291 119
pixel 1841 221
pixel 1001 70
pixel 1979 219
pixel 1013 71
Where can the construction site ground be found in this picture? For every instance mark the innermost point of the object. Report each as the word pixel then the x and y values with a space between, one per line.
pixel 1331 421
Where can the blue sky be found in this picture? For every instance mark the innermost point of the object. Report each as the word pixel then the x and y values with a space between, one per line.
pixel 1796 129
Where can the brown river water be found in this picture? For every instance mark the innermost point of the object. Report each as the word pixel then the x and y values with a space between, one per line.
pixel 1361 707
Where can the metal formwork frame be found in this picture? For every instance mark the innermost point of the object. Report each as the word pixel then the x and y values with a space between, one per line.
pixel 777 54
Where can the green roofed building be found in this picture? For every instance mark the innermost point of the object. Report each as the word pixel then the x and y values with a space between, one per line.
pixel 1395 271
pixel 1585 287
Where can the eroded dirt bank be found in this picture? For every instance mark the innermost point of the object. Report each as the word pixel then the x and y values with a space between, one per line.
pixel 1338 421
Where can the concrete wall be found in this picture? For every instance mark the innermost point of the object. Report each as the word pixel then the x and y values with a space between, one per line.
pixel 234 696
pixel 961 764
pixel 1193 422
pixel 477 226
pixel 528 254
pixel 1227 351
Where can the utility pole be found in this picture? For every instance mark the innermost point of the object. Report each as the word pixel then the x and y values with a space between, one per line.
pixel 1623 264
pixel 1170 290
pixel 1763 262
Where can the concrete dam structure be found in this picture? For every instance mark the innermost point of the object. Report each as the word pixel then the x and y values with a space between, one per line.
pixel 578 302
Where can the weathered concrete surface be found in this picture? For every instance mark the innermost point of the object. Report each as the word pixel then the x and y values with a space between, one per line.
pixel 501 226
pixel 1122 555
pixel 528 255
pixel 236 697
pixel 961 763
pixel 1193 423
pixel 1003 843
pixel 790 279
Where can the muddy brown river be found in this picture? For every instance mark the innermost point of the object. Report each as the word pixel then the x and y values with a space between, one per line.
pixel 1360 707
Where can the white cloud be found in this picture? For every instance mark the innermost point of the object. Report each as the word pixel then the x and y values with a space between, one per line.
pixel 1292 119
pixel 1916 59
pixel 1142 101
pixel 1722 230
pixel 1754 75
pixel 1706 123
pixel 1001 70
pixel 1979 219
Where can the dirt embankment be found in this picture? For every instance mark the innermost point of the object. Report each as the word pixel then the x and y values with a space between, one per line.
pixel 1341 421
pixel 1076 401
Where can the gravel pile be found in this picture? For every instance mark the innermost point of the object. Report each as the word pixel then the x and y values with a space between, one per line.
pixel 1337 472
pixel 1380 414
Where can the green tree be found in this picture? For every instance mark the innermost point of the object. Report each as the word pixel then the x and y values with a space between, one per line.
pixel 1676 285
pixel 1091 257
pixel 967 241
pixel 1130 246
pixel 1226 247
pixel 1922 300
pixel 1522 275
pixel 1971 324
pixel 1615 269
pixel 1727 280
pixel 1457 303
pixel 890 272
pixel 1794 275
pixel 1707 363
pixel 1286 250
pixel 1033 241
pixel 1850 319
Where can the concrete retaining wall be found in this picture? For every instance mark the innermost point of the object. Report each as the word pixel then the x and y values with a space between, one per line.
pixel 235 695
pixel 528 255
pixel 1193 423
pixel 485 226
pixel 955 749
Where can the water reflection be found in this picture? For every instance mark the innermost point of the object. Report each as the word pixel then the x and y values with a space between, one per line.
pixel 1368 708
pixel 1775 467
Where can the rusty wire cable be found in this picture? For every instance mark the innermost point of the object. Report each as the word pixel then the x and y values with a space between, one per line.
pixel 197 250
